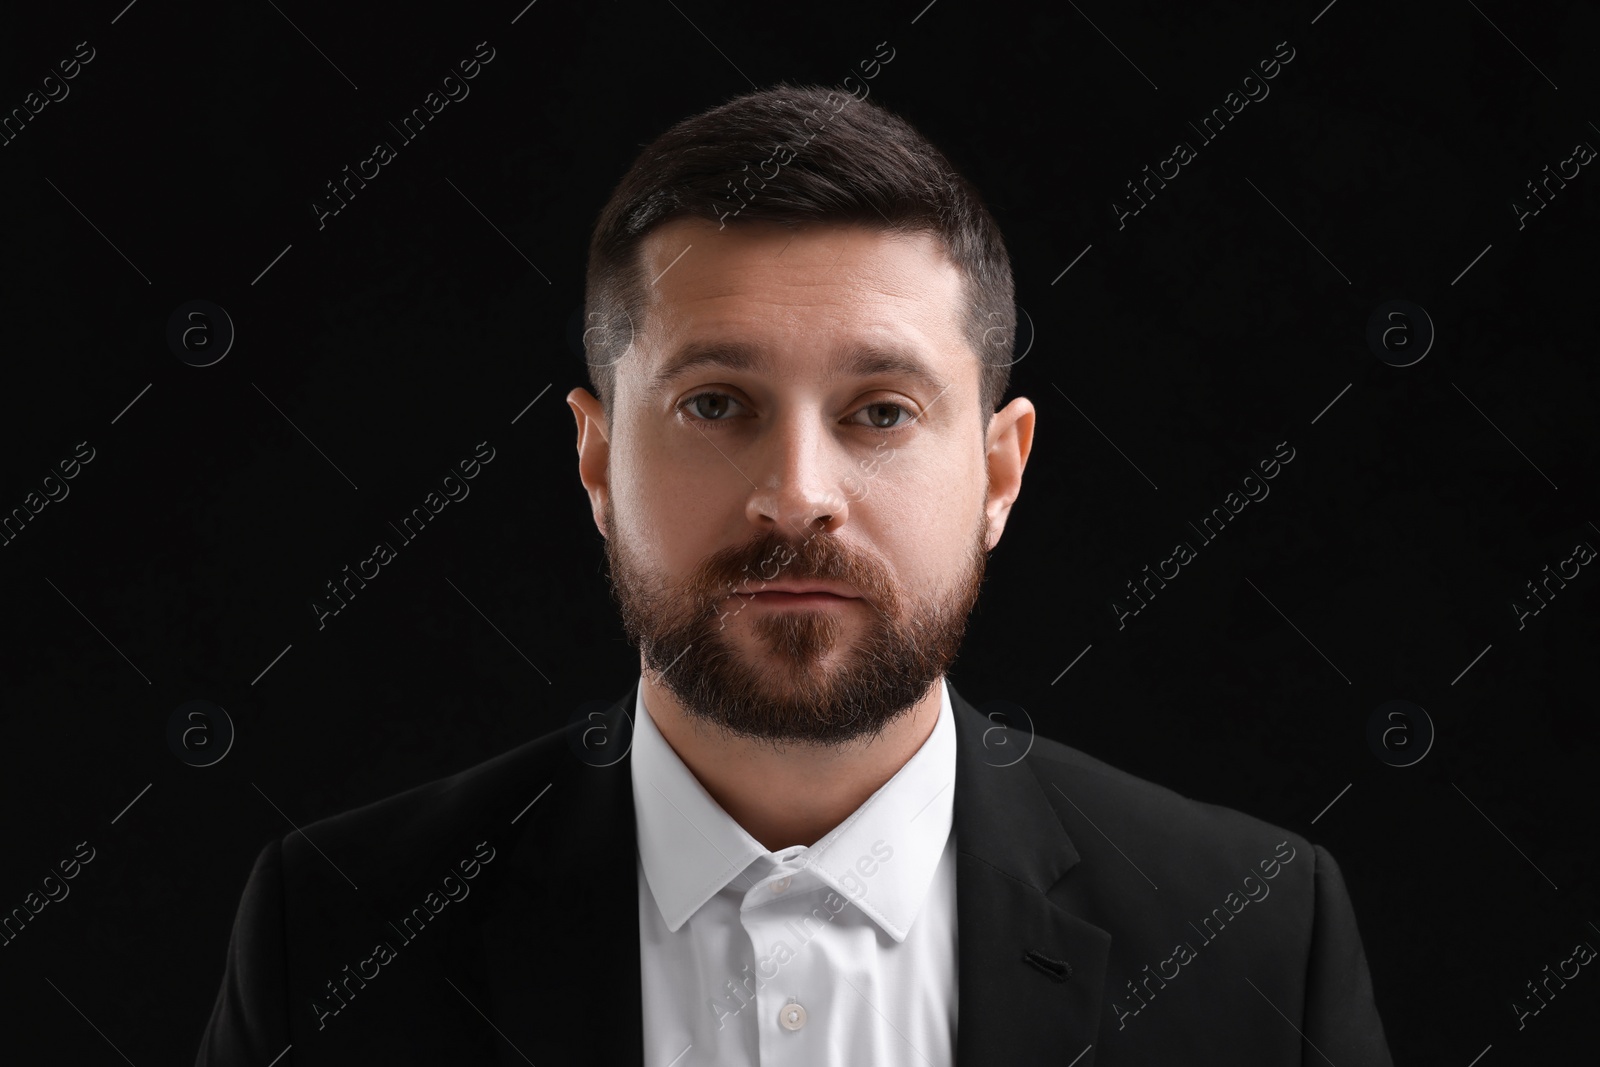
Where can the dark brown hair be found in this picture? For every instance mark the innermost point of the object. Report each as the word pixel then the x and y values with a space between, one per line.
pixel 863 165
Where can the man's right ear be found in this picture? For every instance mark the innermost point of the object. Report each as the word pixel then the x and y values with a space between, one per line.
pixel 594 450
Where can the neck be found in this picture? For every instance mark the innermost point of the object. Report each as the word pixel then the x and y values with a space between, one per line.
pixel 791 795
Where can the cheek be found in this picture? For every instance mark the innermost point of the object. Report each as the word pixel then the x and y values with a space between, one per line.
pixel 675 506
pixel 920 523
pixel 935 493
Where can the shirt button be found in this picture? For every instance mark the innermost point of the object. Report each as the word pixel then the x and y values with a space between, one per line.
pixel 792 1017
pixel 781 884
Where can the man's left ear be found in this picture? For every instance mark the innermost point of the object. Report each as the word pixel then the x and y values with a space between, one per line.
pixel 1009 440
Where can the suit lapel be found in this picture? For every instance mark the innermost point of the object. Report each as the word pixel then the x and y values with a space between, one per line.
pixel 1011 850
pixel 560 947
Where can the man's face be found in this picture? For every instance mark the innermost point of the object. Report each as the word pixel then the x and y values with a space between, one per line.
pixel 725 482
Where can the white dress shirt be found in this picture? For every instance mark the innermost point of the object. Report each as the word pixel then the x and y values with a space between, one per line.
pixel 840 953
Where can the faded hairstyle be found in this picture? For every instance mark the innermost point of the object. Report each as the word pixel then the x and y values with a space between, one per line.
pixel 797 155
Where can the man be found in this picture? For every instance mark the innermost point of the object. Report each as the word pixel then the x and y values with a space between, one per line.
pixel 792 841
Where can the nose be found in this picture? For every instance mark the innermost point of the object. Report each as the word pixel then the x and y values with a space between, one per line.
pixel 798 478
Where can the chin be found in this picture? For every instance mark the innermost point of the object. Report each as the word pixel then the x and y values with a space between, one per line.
pixel 781 666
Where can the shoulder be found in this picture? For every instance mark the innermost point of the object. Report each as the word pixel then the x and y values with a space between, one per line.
pixel 1185 886
pixel 428 827
pixel 1158 869
pixel 1176 833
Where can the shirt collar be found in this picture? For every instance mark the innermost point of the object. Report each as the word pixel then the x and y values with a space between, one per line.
pixel 881 858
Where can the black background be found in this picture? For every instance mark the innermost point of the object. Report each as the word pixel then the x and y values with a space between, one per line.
pixel 428 314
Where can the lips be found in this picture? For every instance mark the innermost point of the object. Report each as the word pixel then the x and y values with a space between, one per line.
pixel 798 595
pixel 780 601
pixel 807 588
pixel 781 596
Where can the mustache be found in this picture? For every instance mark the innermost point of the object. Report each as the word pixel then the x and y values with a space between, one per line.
pixel 744 570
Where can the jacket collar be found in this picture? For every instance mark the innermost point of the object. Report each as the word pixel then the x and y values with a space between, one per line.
pixel 558 970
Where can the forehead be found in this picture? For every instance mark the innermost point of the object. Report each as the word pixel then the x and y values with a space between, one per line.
pixel 796 292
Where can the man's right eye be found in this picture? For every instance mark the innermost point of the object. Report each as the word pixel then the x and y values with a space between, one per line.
pixel 709 406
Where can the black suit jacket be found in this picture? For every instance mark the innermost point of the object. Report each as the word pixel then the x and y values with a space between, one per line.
pixel 492 917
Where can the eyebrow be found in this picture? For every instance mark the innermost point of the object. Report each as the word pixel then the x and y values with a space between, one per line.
pixel 859 360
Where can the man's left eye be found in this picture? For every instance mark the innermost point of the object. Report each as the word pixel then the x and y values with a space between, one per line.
pixel 873 411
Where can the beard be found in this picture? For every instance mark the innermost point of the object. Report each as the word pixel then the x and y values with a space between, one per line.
pixel 804 684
